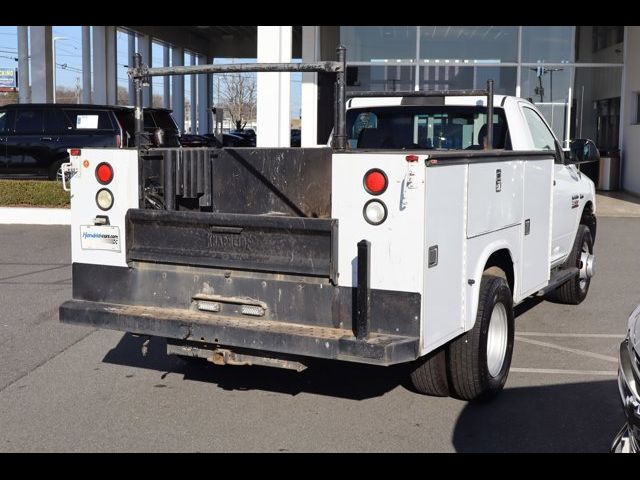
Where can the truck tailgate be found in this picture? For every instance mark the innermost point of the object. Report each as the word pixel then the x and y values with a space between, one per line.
pixel 276 244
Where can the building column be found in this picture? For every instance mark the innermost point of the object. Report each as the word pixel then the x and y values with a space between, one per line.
pixel 24 93
pixel 99 65
pixel 131 50
pixel 204 95
pixel 86 64
pixel 177 87
pixel 629 127
pixel 309 100
pixel 274 89
pixel 144 49
pixel 111 68
pixel 166 86
pixel 41 64
pixel 193 98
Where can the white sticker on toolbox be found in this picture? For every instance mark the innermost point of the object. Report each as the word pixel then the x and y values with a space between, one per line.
pixel 100 237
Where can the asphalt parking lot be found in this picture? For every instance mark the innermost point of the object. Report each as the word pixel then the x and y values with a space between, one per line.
pixel 67 388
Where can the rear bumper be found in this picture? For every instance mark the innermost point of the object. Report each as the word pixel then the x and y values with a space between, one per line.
pixel 255 334
pixel 302 316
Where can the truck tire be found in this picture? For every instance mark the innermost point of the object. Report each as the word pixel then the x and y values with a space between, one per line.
pixel 574 291
pixel 429 374
pixel 479 360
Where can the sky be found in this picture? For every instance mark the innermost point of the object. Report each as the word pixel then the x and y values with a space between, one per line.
pixel 69 60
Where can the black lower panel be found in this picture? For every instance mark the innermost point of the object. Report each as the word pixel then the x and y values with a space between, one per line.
pixel 289 299
pixel 255 334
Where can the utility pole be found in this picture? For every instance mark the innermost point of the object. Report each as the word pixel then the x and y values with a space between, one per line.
pixel 53 43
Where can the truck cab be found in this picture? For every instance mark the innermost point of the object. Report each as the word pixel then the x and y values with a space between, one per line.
pixel 519 127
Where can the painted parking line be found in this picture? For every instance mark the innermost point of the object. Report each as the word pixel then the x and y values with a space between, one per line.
pixel 584 353
pixel 573 335
pixel 607 373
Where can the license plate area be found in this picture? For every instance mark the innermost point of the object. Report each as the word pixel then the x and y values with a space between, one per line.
pixel 100 237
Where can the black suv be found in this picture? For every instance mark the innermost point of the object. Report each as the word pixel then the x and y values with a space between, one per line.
pixel 34 138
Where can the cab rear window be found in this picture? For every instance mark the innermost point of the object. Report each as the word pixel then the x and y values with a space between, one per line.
pixel 425 127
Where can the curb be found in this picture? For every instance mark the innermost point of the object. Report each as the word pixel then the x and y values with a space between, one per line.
pixel 35 216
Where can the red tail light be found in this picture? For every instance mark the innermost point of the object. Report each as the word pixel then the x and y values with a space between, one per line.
pixel 75 152
pixel 375 181
pixel 411 158
pixel 104 173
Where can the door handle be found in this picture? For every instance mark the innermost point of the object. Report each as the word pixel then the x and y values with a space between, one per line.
pixel 46 139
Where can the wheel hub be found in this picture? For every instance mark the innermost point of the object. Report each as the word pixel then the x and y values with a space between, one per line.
pixel 587 265
pixel 497 339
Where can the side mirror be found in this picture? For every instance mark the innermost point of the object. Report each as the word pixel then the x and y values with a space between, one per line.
pixel 582 150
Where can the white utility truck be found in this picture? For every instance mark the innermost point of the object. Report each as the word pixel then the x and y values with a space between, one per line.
pixel 408 241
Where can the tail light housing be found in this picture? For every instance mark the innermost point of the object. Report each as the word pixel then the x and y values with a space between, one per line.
pixel 375 181
pixel 104 199
pixel 104 173
pixel 375 212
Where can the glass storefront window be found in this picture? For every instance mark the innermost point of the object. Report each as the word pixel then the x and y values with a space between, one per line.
pixel 547 44
pixel 465 57
pixel 599 44
pixel 461 77
pixel 381 78
pixel 379 43
pixel 476 44
pixel 548 89
pixel 596 105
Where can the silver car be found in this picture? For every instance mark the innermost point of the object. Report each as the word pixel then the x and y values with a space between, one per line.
pixel 628 439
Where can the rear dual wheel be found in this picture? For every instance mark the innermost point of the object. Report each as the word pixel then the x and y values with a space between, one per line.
pixel 575 290
pixel 475 365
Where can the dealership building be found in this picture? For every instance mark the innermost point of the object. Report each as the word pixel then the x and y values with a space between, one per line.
pixel 584 79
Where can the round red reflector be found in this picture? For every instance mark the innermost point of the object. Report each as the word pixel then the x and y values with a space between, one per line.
pixel 375 182
pixel 104 173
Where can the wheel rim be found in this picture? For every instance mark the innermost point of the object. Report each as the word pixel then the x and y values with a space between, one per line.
pixel 587 264
pixel 497 339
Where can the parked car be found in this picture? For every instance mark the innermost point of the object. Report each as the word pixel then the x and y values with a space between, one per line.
pixel 154 119
pixel 248 133
pixel 190 140
pixel 231 140
pixel 34 138
pixel 628 438
pixel 296 137
pixel 210 140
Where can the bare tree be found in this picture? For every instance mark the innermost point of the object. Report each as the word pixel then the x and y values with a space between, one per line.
pixel 238 98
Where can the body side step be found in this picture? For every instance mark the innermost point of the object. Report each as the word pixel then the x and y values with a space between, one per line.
pixel 558 278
